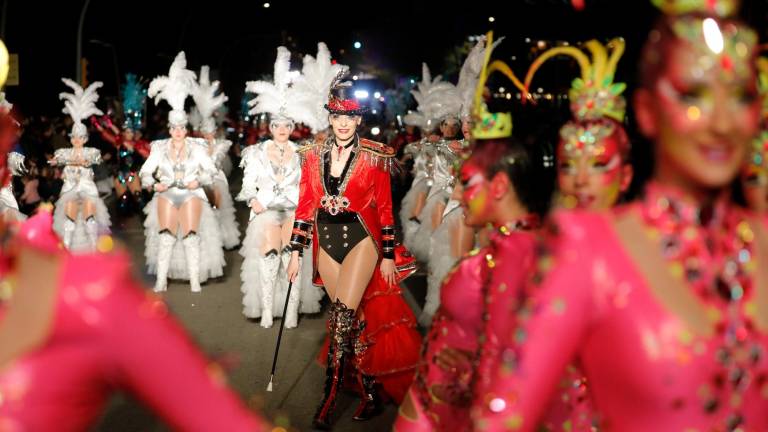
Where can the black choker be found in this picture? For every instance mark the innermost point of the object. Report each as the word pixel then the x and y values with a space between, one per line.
pixel 342 148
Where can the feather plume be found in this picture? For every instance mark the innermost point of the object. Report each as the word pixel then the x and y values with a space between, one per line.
pixel 176 86
pixel 81 103
pixel 312 87
pixel 274 97
pixel 470 74
pixel 206 99
pixel 435 99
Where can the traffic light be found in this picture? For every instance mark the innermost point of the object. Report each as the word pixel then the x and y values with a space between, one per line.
pixel 84 72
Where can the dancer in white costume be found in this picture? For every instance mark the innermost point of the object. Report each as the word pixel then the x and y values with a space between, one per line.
pixel 272 170
pixel 9 208
pixel 80 214
pixel 446 100
pixel 207 102
pixel 451 239
pixel 422 153
pixel 183 239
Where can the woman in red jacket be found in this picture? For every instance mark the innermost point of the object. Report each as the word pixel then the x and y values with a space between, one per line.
pixel 345 199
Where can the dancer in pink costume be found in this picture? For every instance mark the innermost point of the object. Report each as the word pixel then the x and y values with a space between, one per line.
pixel 74 329
pixel 493 180
pixel 662 300
pixel 593 171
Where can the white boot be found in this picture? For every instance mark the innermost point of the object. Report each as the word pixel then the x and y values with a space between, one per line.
pixel 192 250
pixel 69 232
pixel 92 230
pixel 165 249
pixel 270 264
pixel 292 314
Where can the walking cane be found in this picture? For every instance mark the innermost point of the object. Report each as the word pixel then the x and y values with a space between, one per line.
pixel 279 337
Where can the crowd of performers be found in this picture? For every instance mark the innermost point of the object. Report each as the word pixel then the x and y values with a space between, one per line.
pixel 585 311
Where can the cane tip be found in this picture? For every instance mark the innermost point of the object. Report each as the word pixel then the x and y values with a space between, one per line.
pixel 269 386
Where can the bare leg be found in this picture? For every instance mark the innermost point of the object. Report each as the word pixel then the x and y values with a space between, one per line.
pixel 437 215
pixel 329 272
pixel 72 209
pixel 356 272
pixel 272 238
pixel 89 208
pixel 418 204
pixel 286 230
pixel 167 216
pixel 189 215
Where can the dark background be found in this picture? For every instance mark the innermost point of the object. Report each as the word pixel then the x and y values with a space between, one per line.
pixel 238 39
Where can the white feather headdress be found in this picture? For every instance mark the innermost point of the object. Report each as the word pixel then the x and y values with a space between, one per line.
pixel 273 97
pixel 174 89
pixel 470 75
pixel 312 87
pixel 435 99
pixel 207 101
pixel 80 104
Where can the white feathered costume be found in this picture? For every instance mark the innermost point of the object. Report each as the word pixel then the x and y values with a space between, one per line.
pixel 429 95
pixel 80 234
pixel 8 205
pixel 207 102
pixel 274 184
pixel 196 256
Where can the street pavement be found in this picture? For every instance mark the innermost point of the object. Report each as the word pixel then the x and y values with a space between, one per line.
pixel 214 320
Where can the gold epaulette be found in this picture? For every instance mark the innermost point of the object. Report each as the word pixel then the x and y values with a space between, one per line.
pixel 377 148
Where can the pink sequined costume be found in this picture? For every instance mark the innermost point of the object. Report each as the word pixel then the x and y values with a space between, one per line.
pixel 456 325
pixel 665 307
pixel 109 334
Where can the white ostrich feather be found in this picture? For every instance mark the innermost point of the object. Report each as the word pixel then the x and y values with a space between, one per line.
pixel 273 97
pixel 176 86
pixel 435 99
pixel 206 100
pixel 312 87
pixel 470 74
pixel 81 103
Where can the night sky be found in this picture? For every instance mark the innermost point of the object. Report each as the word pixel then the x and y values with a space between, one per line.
pixel 239 41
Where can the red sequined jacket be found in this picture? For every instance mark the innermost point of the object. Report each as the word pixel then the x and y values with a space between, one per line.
pixel 365 190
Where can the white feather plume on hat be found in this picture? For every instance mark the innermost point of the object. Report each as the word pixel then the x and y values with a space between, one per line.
pixel 312 87
pixel 273 97
pixel 207 101
pixel 174 88
pixel 470 75
pixel 80 104
pixel 435 99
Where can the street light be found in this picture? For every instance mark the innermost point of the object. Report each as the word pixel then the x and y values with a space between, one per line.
pixel 114 59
